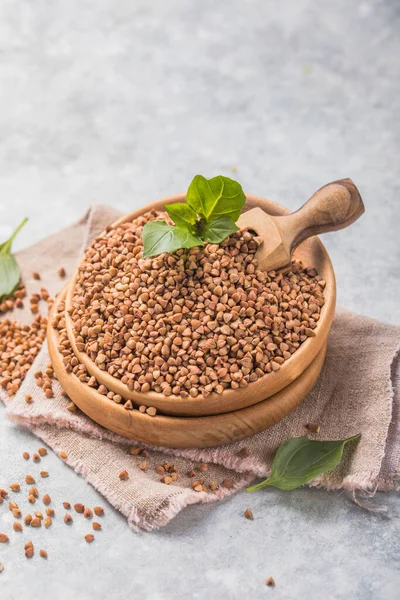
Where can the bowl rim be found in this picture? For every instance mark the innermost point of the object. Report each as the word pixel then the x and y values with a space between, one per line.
pixel 254 392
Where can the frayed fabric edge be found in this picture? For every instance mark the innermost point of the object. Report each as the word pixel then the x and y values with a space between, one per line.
pixel 365 481
pixel 362 483
pixel 217 456
pixel 167 510
pixel 172 506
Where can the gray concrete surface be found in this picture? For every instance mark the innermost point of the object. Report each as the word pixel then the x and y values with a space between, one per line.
pixel 123 102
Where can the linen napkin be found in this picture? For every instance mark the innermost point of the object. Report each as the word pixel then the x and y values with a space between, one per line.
pixel 358 391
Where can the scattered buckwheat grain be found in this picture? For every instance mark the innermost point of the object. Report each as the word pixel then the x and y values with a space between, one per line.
pixel 36 522
pixel 135 451
pixel 248 514
pixel 244 453
pixel 33 491
pixel 313 427
pixel 167 479
pixel 228 484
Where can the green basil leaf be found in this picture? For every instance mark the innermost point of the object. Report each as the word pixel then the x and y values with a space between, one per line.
pixel 181 214
pixel 159 237
pixel 300 460
pixel 9 271
pixel 9 274
pixel 216 231
pixel 216 197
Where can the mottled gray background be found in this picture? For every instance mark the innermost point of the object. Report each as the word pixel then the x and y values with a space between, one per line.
pixel 122 102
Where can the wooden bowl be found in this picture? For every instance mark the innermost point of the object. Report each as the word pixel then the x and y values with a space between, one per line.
pixel 182 432
pixel 313 254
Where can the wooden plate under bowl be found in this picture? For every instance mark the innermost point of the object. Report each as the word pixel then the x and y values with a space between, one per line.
pixel 183 432
pixel 313 254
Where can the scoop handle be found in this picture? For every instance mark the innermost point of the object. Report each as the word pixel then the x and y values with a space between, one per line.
pixel 332 207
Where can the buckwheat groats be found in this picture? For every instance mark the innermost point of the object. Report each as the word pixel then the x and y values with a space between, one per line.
pixel 19 345
pixel 190 323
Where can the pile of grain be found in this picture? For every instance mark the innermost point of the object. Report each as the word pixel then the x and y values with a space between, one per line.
pixel 19 345
pixel 21 342
pixel 193 322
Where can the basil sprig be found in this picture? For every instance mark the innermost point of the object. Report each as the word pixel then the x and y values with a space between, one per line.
pixel 300 460
pixel 9 270
pixel 209 214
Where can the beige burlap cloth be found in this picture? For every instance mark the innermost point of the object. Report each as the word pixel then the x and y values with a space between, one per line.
pixel 358 391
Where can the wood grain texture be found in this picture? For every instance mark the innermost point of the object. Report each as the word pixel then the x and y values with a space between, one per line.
pixel 333 207
pixel 312 253
pixel 183 432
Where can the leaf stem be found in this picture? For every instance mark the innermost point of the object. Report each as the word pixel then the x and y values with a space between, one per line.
pixel 199 225
pixel 9 242
pixel 259 486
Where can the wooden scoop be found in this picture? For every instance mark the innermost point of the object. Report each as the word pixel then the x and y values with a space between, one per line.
pixel 332 207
